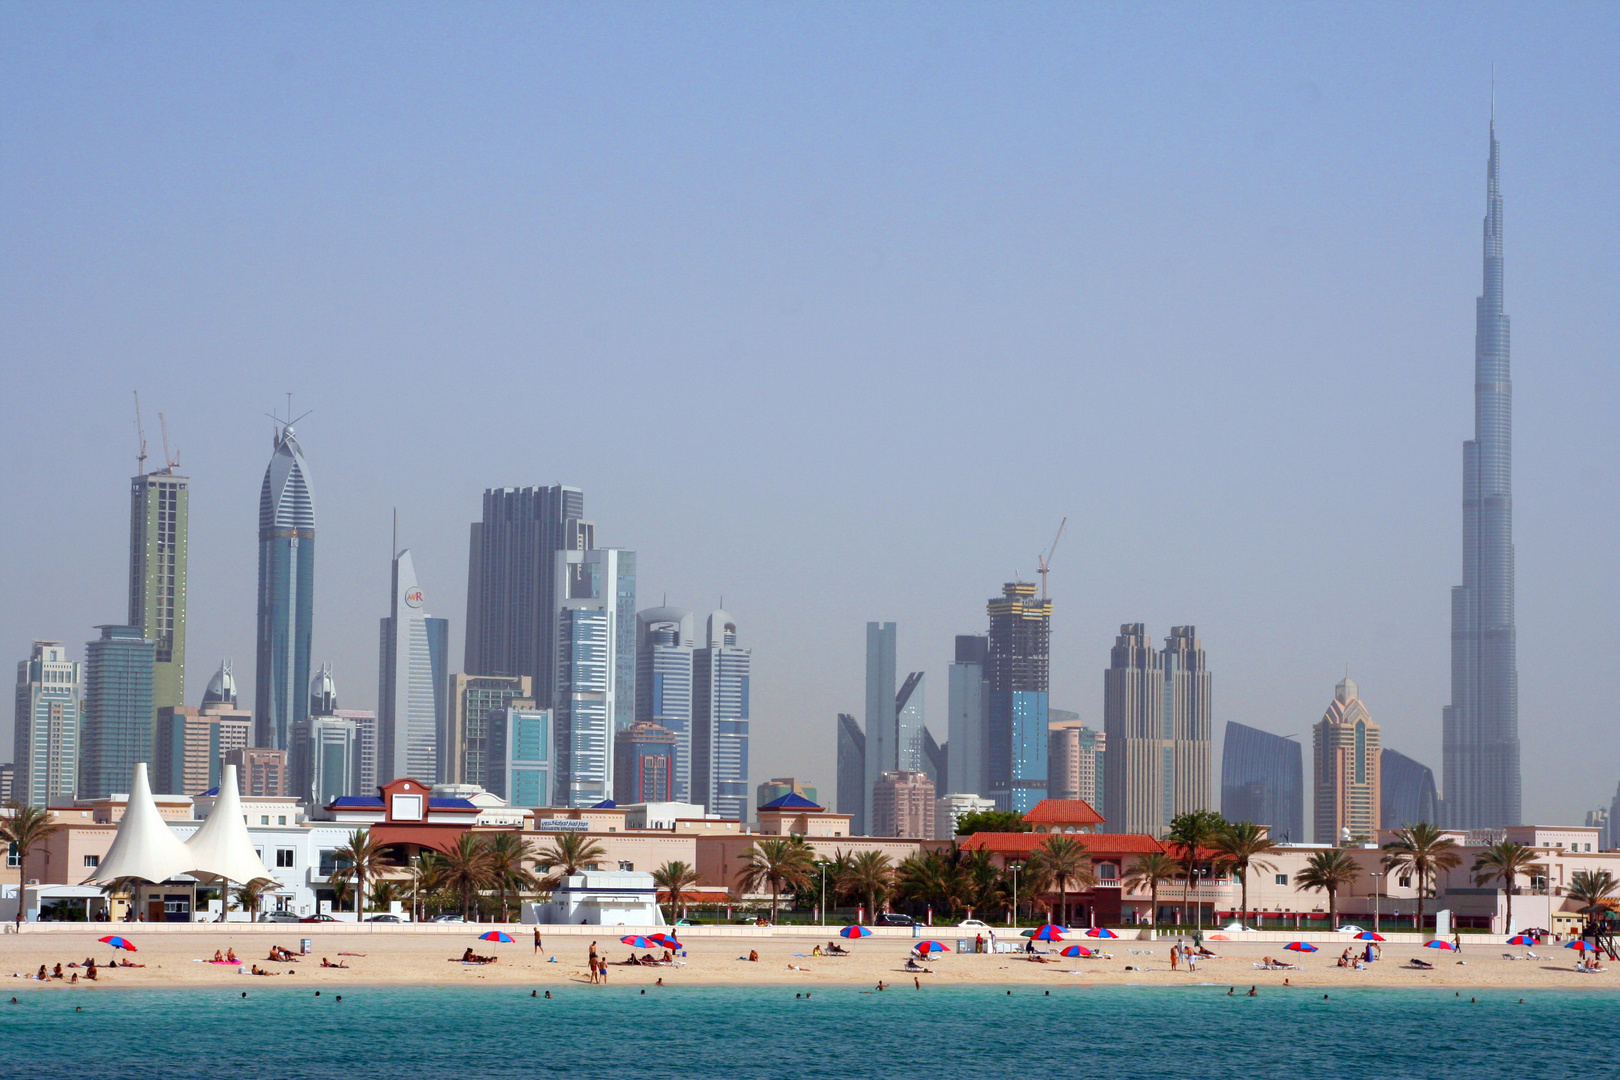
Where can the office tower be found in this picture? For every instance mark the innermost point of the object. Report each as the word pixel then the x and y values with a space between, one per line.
pixel 1156 715
pixel 664 647
pixel 8 782
pixel 882 740
pixel 286 593
pixel 1346 785
pixel 1075 756
pixel 320 764
pixel 365 749
pixel 1481 725
pixel 119 719
pixel 512 580
pixel 720 718
pixel 776 787
pixel 936 761
pixel 475 701
pixel 1407 793
pixel 519 765
pixel 323 693
pixel 1614 819
pixel 852 787
pixel 1016 666
pixel 949 810
pixel 644 763
pixel 595 592
pixel 191 744
pixel 411 692
pixel 1263 781
pixel 48 731
pixel 903 805
pixel 908 724
pixel 221 688
pixel 159 505
pixel 964 733
pixel 1599 819
pixel 261 772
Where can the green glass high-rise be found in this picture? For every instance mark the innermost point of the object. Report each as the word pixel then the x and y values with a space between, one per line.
pixel 159 505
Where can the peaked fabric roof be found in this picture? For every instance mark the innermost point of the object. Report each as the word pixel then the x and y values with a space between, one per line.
pixel 791 801
pixel 145 847
pixel 222 847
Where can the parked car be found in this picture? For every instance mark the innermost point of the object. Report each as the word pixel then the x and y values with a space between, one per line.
pixel 973 924
pixel 317 918
pixel 1351 928
pixel 384 918
pixel 279 916
pixel 447 918
pixel 892 919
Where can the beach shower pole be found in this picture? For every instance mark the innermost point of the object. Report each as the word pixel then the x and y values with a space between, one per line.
pixel 1375 878
pixel 1014 867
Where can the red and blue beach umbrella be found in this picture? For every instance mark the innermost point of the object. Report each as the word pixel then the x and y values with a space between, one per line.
pixel 636 941
pixel 1300 946
pixel 1077 950
pixel 1582 944
pixel 1049 932
pixel 1100 931
pixel 495 935
pixel 932 946
pixel 855 932
pixel 1521 939
pixel 1440 943
pixel 1368 935
pixel 119 943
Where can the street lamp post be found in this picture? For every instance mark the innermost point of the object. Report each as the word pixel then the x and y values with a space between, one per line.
pixel 1198 904
pixel 1014 867
pixel 823 904
pixel 1375 878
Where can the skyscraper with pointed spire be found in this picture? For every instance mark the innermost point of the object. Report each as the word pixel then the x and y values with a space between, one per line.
pixel 1481 725
pixel 286 593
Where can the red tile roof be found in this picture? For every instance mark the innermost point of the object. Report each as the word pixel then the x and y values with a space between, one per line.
pixel 1065 811
pixel 1099 844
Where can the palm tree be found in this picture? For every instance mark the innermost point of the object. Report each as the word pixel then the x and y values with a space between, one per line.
pixel 869 875
pixel 363 856
pixel 1505 861
pixel 1151 870
pixel 777 862
pixel 568 854
pixel 383 895
pixel 677 879
pixel 428 880
pixel 1189 832
pixel 1425 851
pixel 1328 871
pixel 248 898
pixel 926 877
pixel 341 890
pixel 1065 860
pixel 27 827
pixel 1591 888
pixel 506 855
pixel 1243 846
pixel 982 885
pixel 466 868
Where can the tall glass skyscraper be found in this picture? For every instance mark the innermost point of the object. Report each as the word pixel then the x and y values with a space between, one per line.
pixel 964 732
pixel 286 594
pixel 720 720
pixel 119 720
pixel 1017 720
pixel 882 736
pixel 1407 793
pixel 1481 725
pixel 1156 714
pixel 664 684
pixel 1263 781
pixel 596 593
pixel 48 727
pixel 159 511
pixel 412 691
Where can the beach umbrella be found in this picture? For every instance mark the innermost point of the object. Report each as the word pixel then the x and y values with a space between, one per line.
pixel 636 941
pixel 932 946
pixel 1368 935
pixel 1100 931
pixel 855 932
pixel 1077 950
pixel 660 937
pixel 1049 932
pixel 119 943
pixel 1521 939
pixel 1440 943
pixel 1582 944
pixel 1300 946
pixel 495 935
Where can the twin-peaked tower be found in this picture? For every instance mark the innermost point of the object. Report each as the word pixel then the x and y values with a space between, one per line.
pixel 1481 725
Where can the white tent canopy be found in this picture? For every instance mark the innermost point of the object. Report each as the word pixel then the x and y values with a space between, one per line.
pixel 222 847
pixel 145 846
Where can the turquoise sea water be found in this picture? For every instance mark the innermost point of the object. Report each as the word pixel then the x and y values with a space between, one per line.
pixel 702 1033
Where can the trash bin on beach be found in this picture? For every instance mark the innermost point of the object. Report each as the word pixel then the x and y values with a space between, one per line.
pixel 304 946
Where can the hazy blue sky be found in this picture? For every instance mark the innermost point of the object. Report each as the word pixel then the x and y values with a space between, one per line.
pixel 836 311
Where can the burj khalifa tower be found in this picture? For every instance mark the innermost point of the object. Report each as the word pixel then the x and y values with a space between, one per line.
pixel 1481 725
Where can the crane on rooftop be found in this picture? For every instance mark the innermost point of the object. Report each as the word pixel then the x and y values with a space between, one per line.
pixel 1044 560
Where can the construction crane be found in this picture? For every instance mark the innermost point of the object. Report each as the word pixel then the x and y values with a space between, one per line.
pixel 140 437
pixel 171 462
pixel 1044 560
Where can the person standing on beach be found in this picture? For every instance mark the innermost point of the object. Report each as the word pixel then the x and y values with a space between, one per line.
pixel 536 939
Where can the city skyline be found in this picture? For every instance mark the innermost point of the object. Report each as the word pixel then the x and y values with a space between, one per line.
pixel 1077 312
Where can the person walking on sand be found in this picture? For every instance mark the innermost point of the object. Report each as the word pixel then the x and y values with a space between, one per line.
pixel 537 939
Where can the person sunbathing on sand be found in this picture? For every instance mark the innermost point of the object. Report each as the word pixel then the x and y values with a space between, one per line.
pixel 1422 965
pixel 816 951
pixel 230 956
pixel 327 963
pixel 912 965
pixel 796 967
pixel 835 949
pixel 42 976
pixel 219 957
